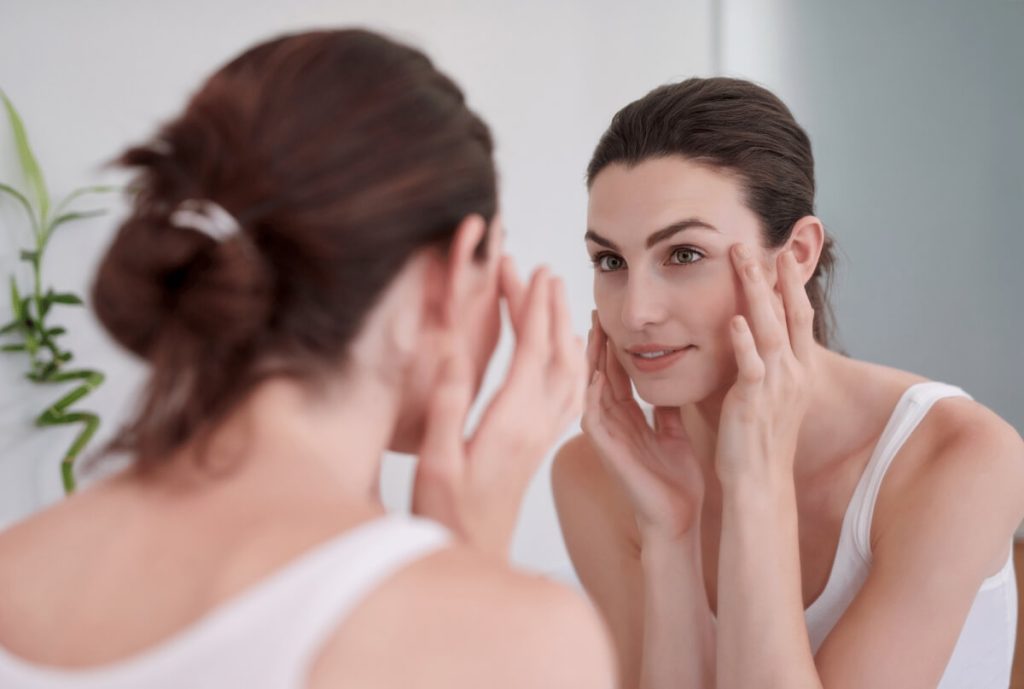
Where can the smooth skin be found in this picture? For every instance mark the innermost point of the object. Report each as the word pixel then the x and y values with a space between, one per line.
pixel 704 539
pixel 128 563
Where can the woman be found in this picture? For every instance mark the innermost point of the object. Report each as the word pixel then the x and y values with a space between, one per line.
pixel 795 518
pixel 312 268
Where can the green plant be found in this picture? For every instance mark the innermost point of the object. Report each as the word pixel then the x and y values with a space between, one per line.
pixel 34 334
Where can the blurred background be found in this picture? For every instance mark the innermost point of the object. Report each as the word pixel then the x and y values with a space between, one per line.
pixel 914 109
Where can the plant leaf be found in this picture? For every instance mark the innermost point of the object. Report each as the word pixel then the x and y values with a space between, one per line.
pixel 19 347
pixel 21 199
pixel 69 217
pixel 10 327
pixel 84 191
pixel 16 303
pixel 66 298
pixel 29 164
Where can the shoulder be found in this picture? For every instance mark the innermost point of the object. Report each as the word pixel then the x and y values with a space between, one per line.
pixel 586 496
pixel 959 476
pixel 964 445
pixel 575 463
pixel 979 451
pixel 577 472
pixel 459 619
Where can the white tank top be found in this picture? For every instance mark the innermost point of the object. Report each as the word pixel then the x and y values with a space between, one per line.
pixel 984 652
pixel 270 634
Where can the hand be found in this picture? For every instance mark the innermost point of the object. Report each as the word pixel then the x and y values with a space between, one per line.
pixel 475 487
pixel 656 466
pixel 763 411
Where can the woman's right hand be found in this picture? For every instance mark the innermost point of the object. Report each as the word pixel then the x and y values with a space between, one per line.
pixel 656 466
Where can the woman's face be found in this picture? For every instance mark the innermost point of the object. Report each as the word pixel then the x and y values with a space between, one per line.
pixel 659 235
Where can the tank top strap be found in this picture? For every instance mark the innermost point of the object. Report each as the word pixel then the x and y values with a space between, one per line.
pixel 908 413
pixel 270 634
pixel 314 603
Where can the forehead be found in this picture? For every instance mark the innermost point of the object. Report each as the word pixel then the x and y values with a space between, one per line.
pixel 628 203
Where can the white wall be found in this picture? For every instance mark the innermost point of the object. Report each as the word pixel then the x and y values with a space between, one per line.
pixel 91 78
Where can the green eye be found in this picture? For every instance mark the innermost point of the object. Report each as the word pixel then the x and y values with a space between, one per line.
pixel 684 256
pixel 609 262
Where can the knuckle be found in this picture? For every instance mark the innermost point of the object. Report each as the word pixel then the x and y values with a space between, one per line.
pixel 803 316
pixel 772 342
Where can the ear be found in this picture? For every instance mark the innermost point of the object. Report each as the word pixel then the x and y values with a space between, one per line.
pixel 806 242
pixel 456 282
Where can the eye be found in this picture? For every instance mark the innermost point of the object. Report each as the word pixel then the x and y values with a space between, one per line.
pixel 608 263
pixel 684 256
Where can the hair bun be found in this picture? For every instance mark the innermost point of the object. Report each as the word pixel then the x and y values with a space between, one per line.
pixel 160 283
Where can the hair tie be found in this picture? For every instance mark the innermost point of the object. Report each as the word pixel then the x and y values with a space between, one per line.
pixel 207 217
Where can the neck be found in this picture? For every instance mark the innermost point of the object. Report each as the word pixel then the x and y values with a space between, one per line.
pixel 295 443
pixel 821 428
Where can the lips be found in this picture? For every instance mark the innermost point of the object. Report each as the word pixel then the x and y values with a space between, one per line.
pixel 656 357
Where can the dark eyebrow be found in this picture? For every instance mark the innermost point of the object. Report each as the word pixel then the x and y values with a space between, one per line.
pixel 657 237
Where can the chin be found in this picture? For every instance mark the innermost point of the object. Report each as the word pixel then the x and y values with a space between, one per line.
pixel 666 394
pixel 675 391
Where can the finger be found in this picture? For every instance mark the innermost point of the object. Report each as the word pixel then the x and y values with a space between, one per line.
pixel 568 353
pixel 669 421
pixel 592 352
pixel 797 305
pixel 749 364
pixel 532 350
pixel 600 344
pixel 442 448
pixel 618 379
pixel 531 310
pixel 512 289
pixel 768 329
pixel 580 387
pixel 593 407
pixel 562 338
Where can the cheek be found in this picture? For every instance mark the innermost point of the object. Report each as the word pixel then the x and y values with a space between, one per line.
pixel 607 301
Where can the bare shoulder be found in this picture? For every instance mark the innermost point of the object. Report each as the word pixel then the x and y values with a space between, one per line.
pixel 961 471
pixel 583 488
pixel 961 441
pixel 458 619
pixel 974 444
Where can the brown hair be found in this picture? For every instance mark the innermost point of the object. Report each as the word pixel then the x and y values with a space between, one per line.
pixel 339 154
pixel 738 126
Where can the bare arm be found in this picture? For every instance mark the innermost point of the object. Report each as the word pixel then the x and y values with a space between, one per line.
pixel 650 590
pixel 954 521
pixel 928 564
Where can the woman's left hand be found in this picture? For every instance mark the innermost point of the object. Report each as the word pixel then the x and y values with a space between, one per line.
pixel 774 348
pixel 475 486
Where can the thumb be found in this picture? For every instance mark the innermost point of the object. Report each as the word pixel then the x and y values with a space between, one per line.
pixel 669 421
pixel 442 451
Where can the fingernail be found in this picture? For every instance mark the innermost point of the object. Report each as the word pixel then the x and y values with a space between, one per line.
pixel 753 271
pixel 743 251
pixel 593 378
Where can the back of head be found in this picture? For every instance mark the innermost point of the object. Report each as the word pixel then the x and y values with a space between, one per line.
pixel 736 126
pixel 334 156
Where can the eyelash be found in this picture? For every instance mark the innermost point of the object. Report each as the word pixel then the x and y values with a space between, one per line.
pixel 598 259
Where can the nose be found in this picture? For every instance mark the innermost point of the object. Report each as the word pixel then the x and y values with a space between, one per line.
pixel 643 305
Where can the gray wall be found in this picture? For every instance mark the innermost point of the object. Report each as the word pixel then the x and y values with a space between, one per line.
pixel 916 112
